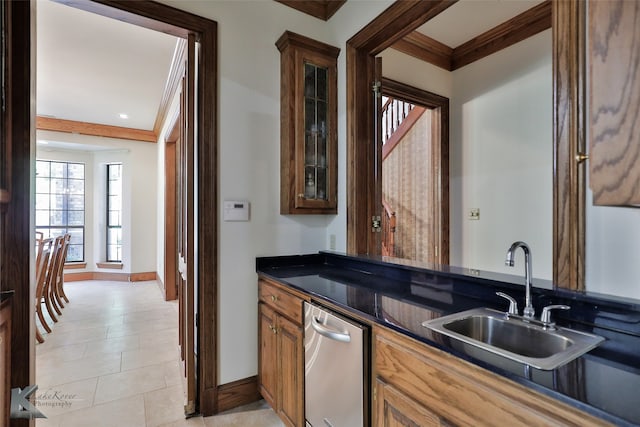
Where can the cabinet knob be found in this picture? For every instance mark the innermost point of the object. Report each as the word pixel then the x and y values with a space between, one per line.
pixel 300 196
pixel 274 298
pixel 273 329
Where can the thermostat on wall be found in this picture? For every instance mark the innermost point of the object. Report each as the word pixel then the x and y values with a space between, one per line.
pixel 236 210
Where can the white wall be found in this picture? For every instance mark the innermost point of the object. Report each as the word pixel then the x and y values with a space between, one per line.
pixel 417 73
pixel 501 158
pixel 612 245
pixel 139 194
pixel 249 137
pixel 500 150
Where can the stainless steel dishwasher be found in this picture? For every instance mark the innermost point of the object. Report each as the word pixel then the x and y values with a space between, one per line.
pixel 334 353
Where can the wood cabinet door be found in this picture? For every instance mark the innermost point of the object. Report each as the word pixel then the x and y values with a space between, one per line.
pixel 268 360
pixel 394 409
pixel 614 94
pixel 291 358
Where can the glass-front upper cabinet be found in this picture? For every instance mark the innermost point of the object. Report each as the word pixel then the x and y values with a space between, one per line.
pixel 308 119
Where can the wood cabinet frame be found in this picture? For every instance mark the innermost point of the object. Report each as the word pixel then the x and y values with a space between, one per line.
pixel 295 51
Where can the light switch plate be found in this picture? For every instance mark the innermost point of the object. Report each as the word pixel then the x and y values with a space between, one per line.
pixel 474 214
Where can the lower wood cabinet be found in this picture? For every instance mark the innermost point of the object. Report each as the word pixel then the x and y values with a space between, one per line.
pixel 397 409
pixel 281 358
pixel 418 385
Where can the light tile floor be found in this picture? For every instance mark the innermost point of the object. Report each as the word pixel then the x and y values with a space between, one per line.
pixel 113 360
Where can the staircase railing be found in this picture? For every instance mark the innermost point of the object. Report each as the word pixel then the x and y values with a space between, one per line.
pixel 394 112
pixel 388 230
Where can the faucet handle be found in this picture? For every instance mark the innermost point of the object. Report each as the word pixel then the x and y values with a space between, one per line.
pixel 545 317
pixel 513 305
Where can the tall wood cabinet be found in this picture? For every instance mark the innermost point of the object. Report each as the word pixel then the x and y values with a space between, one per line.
pixel 308 125
pixel 281 353
pixel 614 95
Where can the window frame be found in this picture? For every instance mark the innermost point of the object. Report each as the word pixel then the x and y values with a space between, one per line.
pixel 65 227
pixel 108 225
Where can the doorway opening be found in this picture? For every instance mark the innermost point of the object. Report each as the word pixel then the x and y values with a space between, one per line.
pixel 201 122
pixel 414 136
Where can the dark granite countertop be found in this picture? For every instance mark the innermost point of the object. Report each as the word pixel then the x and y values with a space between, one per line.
pixel 401 295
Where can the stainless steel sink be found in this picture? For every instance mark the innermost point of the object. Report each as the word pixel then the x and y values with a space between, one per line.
pixel 524 341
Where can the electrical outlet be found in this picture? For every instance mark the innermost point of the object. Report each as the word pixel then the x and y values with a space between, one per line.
pixel 474 213
pixel 332 242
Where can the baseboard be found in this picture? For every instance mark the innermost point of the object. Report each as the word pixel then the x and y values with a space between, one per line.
pixel 142 277
pixel 114 277
pixel 238 393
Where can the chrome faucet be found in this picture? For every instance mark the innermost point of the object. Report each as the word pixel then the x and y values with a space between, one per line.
pixel 528 311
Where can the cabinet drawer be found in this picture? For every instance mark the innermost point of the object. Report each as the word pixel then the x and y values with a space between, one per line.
pixel 281 300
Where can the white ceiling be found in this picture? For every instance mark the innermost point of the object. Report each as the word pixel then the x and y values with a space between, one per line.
pixel 91 68
pixel 467 19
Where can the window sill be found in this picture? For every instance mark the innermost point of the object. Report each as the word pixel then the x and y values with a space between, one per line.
pixel 74 265
pixel 111 265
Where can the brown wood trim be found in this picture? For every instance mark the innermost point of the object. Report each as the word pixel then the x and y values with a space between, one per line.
pixel 406 125
pixel 74 265
pixel 17 256
pixel 521 27
pixel 426 49
pixel 321 9
pixel 93 275
pixel 112 265
pixel 176 71
pixel 94 129
pixel 518 28
pixel 569 20
pixel 170 208
pixel 238 393
pixel 290 38
pixel 116 277
pixel 395 22
pixel 142 277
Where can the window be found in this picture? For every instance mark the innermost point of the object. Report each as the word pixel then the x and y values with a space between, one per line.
pixel 60 203
pixel 114 212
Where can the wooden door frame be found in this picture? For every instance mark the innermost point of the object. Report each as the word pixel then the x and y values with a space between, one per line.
pixel 170 238
pixel 18 221
pixel 401 18
pixel 440 106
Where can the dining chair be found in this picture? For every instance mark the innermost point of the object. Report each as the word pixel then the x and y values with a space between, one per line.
pixel 42 265
pixel 60 279
pixel 51 303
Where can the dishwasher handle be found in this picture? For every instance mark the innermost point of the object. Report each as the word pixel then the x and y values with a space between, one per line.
pixel 328 332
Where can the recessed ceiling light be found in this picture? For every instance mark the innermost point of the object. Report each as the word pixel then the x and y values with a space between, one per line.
pixel 124 116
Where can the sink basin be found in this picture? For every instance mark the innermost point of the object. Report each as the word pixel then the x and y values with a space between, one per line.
pixel 514 338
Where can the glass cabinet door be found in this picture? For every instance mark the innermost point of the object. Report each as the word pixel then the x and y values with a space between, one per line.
pixel 315 129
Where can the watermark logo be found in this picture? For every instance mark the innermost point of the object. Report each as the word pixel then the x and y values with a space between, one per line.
pixel 21 407
pixel 55 399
